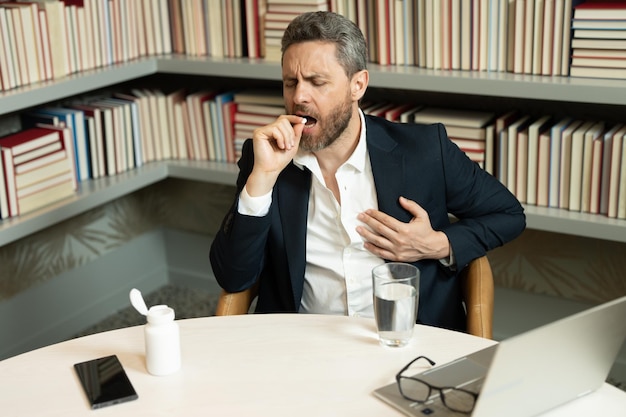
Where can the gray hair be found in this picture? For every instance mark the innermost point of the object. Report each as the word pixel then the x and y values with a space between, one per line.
pixel 334 28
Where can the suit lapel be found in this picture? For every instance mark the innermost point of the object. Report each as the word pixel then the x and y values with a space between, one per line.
pixel 389 170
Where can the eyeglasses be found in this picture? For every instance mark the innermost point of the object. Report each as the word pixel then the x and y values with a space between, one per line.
pixel 414 389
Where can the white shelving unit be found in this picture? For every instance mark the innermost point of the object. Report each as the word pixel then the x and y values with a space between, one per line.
pixel 94 193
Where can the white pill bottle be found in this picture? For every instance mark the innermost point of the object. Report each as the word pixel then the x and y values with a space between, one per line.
pixel 162 338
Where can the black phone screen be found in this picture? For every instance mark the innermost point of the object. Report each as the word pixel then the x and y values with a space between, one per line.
pixel 105 382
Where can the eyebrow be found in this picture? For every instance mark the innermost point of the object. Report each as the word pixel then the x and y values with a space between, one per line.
pixel 312 77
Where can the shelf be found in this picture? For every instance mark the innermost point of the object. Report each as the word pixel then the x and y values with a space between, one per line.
pixel 495 84
pixel 94 193
pixel 41 93
pixel 500 84
pixel 575 223
pixel 220 67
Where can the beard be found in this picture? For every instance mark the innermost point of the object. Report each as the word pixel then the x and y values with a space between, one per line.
pixel 330 129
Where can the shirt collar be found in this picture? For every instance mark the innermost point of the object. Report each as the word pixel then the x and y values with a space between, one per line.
pixel 357 159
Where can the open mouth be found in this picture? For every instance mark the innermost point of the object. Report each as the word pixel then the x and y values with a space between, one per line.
pixel 310 121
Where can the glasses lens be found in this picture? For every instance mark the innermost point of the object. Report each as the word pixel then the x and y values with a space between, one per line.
pixel 414 389
pixel 458 400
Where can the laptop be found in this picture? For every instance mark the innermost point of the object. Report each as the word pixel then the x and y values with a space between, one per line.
pixel 530 373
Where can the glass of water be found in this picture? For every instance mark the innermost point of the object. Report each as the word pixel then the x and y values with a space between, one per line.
pixel 396 295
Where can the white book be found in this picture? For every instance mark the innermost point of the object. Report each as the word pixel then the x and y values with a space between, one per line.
pixel 483 48
pixel 617 162
pixel 621 195
pixel 513 132
pixel 502 35
pixel 446 39
pixel 466 34
pixel 181 135
pixel 537 37
pixel 207 125
pixel 529 28
pixel 493 35
pixel 595 187
pixel 502 169
pixel 157 133
pixel 474 58
pixel 518 54
pixel 576 166
pixel 557 37
pixel 429 33
pixel 399 33
pixel 455 32
pixel 490 133
pixel 607 150
pixel 534 130
pixel 502 123
pixel 521 166
pixel 198 140
pixel 566 163
pixel 555 161
pixel 596 131
pixel 436 35
pixel 419 28
pixel 4 201
pixel 7 65
pixel 543 168
pixel 547 40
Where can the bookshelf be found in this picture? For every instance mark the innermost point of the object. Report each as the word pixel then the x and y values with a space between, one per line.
pixel 556 90
pixel 94 193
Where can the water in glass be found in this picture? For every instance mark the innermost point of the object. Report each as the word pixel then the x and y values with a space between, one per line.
pixel 395 306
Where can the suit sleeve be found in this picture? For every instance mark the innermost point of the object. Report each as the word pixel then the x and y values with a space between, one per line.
pixel 488 214
pixel 238 250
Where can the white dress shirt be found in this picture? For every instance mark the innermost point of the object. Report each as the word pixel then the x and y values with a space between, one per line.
pixel 338 269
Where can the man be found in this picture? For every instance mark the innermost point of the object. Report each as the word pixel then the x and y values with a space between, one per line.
pixel 325 193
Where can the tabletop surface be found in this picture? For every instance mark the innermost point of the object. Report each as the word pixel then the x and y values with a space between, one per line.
pixel 256 365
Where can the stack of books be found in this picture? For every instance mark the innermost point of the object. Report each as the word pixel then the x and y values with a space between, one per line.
pixel 466 128
pixel 599 40
pixel 279 14
pixel 254 108
pixel 37 169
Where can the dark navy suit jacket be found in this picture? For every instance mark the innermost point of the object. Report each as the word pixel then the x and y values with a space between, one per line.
pixel 418 162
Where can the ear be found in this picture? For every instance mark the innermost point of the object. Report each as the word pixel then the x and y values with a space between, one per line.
pixel 359 84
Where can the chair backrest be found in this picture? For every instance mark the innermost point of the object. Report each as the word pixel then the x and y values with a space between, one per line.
pixel 478 296
pixel 476 281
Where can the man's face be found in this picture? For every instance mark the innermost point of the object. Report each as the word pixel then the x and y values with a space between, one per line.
pixel 315 86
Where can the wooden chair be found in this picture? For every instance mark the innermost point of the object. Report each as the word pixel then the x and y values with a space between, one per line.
pixel 477 284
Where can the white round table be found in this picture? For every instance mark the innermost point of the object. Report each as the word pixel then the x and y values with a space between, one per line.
pixel 252 365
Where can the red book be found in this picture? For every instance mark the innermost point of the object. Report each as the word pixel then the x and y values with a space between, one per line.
pixel 228 112
pixel 25 141
pixel 21 147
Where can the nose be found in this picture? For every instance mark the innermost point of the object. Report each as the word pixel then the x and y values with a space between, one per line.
pixel 301 93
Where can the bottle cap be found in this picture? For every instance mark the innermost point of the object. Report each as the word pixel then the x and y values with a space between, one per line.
pixel 160 314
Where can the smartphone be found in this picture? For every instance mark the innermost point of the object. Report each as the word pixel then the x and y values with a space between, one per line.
pixel 105 382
